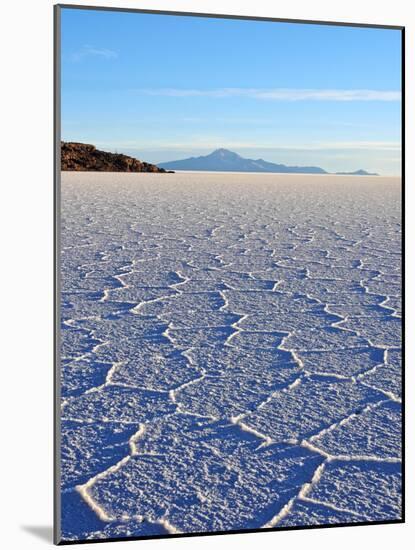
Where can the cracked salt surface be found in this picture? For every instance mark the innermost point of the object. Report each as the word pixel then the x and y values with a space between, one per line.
pixel 230 352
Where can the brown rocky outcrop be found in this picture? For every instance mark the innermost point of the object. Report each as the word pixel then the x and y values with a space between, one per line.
pixel 82 157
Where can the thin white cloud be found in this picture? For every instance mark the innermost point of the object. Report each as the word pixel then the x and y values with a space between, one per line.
pixel 367 145
pixel 214 142
pixel 91 51
pixel 281 94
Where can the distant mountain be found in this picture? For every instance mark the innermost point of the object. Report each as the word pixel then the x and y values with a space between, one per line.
pixel 357 173
pixel 82 157
pixel 223 160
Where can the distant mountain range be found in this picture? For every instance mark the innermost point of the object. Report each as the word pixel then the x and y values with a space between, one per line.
pixel 223 160
pixel 82 157
pixel 357 173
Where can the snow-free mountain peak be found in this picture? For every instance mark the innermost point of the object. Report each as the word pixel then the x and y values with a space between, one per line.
pixel 221 152
pixel 228 161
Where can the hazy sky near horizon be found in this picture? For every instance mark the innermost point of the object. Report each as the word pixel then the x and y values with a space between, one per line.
pixel 167 87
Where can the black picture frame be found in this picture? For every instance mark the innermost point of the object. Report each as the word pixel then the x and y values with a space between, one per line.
pixel 56 275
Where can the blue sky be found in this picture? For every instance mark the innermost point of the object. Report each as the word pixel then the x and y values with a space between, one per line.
pixel 166 87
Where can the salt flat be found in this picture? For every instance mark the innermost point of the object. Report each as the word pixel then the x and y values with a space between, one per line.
pixel 230 352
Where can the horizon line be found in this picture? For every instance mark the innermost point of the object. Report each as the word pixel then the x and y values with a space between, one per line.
pixel 124 150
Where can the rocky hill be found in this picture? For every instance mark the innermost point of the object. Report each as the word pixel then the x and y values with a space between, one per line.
pixel 81 157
